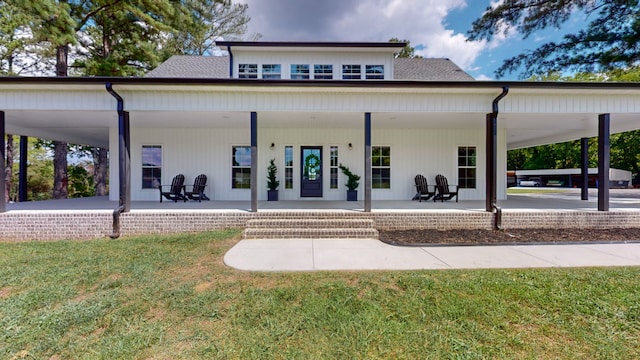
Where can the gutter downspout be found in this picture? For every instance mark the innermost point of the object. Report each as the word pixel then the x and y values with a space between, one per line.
pixel 494 120
pixel 230 62
pixel 122 193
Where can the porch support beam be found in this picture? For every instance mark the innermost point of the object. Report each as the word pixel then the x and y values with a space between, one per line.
pixel 3 170
pixel 367 162
pixel 491 145
pixel 124 149
pixel 254 161
pixel 604 132
pixel 584 168
pixel 491 153
pixel 22 169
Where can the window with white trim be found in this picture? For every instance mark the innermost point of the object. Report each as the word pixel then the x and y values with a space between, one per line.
pixel 351 72
pixel 467 167
pixel 333 167
pixel 271 71
pixel 151 166
pixel 299 72
pixel 323 72
pixel 288 167
pixel 381 167
pixel 248 71
pixel 374 72
pixel 241 167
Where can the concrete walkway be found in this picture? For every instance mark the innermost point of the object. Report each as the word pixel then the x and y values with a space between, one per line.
pixel 358 254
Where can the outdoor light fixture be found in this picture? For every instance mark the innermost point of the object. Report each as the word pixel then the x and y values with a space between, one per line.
pixel 350 146
pixel 273 146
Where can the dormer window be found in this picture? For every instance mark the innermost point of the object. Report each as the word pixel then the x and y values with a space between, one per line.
pixel 299 72
pixel 248 71
pixel 351 72
pixel 323 72
pixel 374 72
pixel 271 71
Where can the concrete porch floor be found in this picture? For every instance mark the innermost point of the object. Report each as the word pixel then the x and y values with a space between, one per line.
pixel 536 199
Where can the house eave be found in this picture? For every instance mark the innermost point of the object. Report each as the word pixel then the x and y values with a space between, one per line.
pixel 9 82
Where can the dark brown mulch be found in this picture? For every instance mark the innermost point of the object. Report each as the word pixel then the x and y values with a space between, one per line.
pixel 475 237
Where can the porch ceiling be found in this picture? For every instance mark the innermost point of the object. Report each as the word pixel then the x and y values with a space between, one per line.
pixel 92 127
pixel 524 130
pixel 83 127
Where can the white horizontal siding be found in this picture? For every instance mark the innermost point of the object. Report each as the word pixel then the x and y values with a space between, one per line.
pixel 291 100
pixel 255 98
pixel 570 103
pixel 56 100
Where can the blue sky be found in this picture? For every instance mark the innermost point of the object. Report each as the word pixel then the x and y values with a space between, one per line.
pixel 437 28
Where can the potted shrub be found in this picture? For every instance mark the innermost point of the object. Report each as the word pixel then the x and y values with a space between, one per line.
pixel 272 181
pixel 353 181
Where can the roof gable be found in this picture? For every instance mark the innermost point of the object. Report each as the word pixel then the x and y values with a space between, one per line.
pixel 428 70
pixel 217 67
pixel 187 66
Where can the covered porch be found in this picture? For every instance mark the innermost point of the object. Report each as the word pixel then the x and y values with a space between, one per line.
pixel 197 113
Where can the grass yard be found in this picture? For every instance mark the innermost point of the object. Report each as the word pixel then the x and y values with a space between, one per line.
pixel 171 297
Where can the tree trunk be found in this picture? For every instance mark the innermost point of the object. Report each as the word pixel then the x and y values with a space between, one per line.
pixel 8 168
pixel 60 178
pixel 62 53
pixel 100 171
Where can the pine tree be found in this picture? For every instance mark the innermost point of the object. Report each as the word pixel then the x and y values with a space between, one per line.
pixel 611 38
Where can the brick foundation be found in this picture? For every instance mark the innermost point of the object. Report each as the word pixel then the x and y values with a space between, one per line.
pixel 54 225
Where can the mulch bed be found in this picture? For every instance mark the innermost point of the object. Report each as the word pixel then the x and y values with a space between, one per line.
pixel 512 236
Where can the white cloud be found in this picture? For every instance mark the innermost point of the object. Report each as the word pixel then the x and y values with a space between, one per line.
pixel 419 21
pixel 484 77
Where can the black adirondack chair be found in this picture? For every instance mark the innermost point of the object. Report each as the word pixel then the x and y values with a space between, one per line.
pixel 445 191
pixel 422 189
pixel 197 190
pixel 174 190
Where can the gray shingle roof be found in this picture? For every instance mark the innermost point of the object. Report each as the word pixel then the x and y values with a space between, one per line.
pixel 428 70
pixel 217 67
pixel 187 66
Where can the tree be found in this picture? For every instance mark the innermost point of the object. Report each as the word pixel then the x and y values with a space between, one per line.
pixel 611 38
pixel 210 21
pixel 407 52
pixel 118 38
pixel 131 26
pixel 80 181
pixel 13 41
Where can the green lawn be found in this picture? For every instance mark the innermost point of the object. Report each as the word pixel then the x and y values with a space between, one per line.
pixel 171 297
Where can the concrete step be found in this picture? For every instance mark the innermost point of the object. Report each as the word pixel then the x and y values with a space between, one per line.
pixel 310 233
pixel 305 227
pixel 307 223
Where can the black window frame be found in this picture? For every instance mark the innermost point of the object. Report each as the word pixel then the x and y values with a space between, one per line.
pixel 242 167
pixel 151 172
pixel 467 157
pixel 381 167
pixel 247 71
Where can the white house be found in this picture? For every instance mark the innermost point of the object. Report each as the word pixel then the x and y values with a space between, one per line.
pixel 312 106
